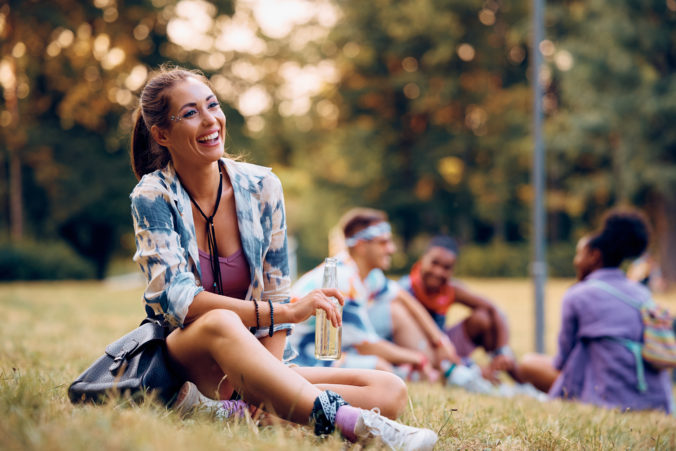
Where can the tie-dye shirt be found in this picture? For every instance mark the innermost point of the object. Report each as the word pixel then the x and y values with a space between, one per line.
pixel 357 326
pixel 166 247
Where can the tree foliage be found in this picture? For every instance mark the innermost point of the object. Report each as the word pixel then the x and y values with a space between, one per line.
pixel 418 107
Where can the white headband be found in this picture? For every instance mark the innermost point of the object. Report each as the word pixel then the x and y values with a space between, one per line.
pixel 369 233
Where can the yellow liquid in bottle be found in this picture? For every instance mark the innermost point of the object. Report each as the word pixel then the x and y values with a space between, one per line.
pixel 327 338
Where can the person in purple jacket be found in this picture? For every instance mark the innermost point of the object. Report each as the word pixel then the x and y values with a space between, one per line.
pixel 594 363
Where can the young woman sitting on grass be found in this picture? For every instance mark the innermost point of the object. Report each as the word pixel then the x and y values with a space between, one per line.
pixel 594 363
pixel 211 240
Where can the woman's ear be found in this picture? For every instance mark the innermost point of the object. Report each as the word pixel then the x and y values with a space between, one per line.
pixel 596 258
pixel 159 135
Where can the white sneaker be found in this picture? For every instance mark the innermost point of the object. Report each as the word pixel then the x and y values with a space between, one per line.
pixel 372 425
pixel 471 380
pixel 189 400
pixel 509 391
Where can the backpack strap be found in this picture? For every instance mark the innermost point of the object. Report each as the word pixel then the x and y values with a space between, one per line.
pixel 635 347
pixel 608 288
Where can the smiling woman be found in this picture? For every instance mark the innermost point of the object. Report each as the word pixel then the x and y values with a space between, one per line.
pixel 226 310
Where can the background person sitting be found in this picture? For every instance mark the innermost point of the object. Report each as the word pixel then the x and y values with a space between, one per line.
pixel 430 282
pixel 369 244
pixel 594 364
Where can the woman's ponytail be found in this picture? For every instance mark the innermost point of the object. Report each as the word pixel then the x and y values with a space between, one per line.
pixel 146 155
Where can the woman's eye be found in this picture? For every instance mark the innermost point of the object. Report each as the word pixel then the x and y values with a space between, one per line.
pixel 214 105
pixel 189 113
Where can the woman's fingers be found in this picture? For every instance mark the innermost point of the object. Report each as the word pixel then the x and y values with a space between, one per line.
pixel 326 304
pixel 334 292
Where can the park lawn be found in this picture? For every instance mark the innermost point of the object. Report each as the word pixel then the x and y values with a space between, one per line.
pixel 51 331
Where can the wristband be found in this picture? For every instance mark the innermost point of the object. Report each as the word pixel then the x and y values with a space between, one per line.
pixel 504 350
pixel 272 319
pixel 423 361
pixel 437 343
pixel 258 318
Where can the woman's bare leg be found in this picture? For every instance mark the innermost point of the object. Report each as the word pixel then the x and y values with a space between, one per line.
pixel 538 370
pixel 361 388
pixel 217 343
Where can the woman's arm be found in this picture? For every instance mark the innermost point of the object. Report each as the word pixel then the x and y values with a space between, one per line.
pixel 294 312
pixel 171 284
pixel 568 331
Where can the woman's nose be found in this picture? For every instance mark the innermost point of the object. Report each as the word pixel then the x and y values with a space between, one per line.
pixel 208 117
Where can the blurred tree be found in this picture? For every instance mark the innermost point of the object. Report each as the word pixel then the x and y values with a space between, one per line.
pixel 69 72
pixel 418 107
pixel 428 120
pixel 612 103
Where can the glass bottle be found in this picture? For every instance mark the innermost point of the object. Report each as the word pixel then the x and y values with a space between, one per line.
pixel 328 338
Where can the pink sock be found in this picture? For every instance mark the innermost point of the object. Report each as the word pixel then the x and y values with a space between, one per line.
pixel 346 420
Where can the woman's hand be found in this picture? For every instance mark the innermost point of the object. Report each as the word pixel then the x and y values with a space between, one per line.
pixel 301 309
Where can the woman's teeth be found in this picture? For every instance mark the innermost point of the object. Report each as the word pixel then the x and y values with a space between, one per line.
pixel 209 137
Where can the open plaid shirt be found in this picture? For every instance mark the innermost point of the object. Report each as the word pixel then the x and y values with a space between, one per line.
pixel 166 247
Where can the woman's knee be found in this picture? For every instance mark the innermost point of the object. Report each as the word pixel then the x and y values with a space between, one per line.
pixel 220 323
pixel 394 394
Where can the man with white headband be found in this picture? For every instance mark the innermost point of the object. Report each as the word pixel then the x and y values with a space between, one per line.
pixel 369 248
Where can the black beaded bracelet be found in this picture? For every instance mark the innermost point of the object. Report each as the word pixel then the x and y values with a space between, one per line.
pixel 258 318
pixel 272 319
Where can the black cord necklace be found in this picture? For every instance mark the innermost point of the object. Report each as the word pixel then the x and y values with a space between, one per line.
pixel 211 235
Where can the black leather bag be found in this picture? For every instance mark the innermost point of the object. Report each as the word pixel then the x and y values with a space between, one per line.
pixel 133 365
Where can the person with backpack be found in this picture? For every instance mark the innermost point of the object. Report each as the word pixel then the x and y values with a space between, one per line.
pixel 599 360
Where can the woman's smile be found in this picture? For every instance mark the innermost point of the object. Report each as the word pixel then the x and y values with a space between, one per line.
pixel 210 139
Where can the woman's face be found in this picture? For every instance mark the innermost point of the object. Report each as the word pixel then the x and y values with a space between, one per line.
pixel 586 259
pixel 197 131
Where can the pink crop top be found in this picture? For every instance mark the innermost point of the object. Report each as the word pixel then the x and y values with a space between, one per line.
pixel 234 274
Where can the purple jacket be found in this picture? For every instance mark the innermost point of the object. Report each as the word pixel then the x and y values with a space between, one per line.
pixel 597 369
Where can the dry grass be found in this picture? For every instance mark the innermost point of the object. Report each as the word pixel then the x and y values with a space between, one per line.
pixel 52 331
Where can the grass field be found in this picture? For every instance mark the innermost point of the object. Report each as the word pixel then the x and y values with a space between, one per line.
pixel 50 332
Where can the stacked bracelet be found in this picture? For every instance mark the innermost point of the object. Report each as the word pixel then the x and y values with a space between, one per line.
pixel 258 318
pixel 272 319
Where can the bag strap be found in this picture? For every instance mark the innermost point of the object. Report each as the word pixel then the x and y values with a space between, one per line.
pixel 636 349
pixel 620 295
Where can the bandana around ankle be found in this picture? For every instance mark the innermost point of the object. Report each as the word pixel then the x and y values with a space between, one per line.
pixel 324 412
